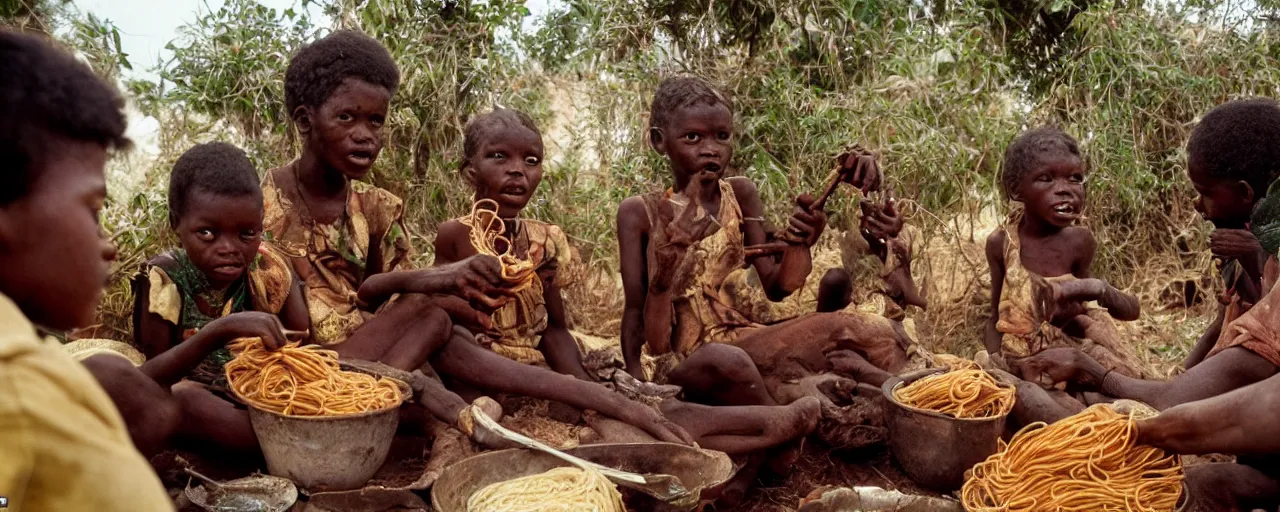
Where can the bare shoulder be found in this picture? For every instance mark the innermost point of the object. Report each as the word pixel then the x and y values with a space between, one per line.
pixel 632 216
pixel 743 187
pixel 1081 237
pixel 449 237
pixel 995 245
pixel 452 230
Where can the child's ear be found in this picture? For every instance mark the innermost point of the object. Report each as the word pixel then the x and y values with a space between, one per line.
pixel 656 139
pixel 302 119
pixel 1246 191
pixel 469 174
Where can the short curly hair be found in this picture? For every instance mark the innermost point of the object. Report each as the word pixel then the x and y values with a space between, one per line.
pixel 680 92
pixel 46 95
pixel 215 168
pixel 1239 140
pixel 320 67
pixel 1028 150
pixel 483 126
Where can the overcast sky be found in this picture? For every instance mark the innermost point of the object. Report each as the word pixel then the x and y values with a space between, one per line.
pixel 146 26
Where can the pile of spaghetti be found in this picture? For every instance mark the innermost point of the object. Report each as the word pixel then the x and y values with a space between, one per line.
pixel 1085 462
pixel 961 393
pixel 304 381
pixel 486 233
pixel 566 489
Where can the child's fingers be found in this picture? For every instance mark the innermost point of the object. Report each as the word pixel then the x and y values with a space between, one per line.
pixel 297 335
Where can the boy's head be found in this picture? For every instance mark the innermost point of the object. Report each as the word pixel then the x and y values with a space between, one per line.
pixel 1232 157
pixel 337 90
pixel 1044 171
pixel 691 123
pixel 215 207
pixel 502 159
pixel 58 121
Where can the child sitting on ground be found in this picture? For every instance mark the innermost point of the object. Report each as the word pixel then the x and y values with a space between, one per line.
pixel 63 443
pixel 1232 161
pixel 678 247
pixel 347 242
pixel 502 162
pixel 1040 277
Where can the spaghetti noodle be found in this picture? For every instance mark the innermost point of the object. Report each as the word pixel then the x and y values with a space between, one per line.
pixel 1085 462
pixel 567 489
pixel 486 233
pixel 961 393
pixel 304 381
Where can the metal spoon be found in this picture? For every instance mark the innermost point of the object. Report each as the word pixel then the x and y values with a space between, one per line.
pixel 664 487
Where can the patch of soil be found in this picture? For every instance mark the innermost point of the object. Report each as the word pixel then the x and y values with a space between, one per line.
pixel 820 466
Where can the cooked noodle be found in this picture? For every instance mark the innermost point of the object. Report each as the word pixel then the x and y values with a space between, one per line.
pixel 567 489
pixel 304 381
pixel 966 393
pixel 1085 462
pixel 486 233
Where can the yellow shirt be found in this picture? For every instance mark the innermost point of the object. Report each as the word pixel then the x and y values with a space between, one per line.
pixel 63 445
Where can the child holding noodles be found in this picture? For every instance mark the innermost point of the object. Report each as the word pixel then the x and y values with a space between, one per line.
pixel 502 161
pixel 347 242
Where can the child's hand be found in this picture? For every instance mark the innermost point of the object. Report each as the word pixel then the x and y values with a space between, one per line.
pixel 256 324
pixel 477 279
pixel 859 168
pixel 652 422
pixel 1056 365
pixel 807 222
pixel 881 221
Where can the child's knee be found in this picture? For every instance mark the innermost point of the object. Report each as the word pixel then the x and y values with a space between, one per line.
pixel 730 363
pixel 835 290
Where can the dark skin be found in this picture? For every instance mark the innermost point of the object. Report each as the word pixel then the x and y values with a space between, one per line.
pixel 698 143
pixel 341 141
pixel 1227 204
pixel 507 170
pixel 1052 245
pixel 54 262
pixel 221 235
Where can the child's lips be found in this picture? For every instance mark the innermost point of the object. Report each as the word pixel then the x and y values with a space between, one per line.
pixel 361 158
pixel 228 271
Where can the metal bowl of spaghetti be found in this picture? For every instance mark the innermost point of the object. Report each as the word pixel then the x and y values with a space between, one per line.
pixel 326 453
pixel 935 449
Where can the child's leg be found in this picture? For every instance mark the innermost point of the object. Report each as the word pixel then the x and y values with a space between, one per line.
pixel 209 421
pixel 1224 486
pixel 151 413
pixel 403 336
pixel 1035 403
pixel 810 338
pixel 721 374
pixel 744 429
pixel 835 291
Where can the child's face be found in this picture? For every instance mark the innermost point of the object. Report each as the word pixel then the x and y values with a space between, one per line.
pixel 698 141
pixel 346 131
pixel 507 169
pixel 221 234
pixel 54 260
pixel 1225 203
pixel 1054 190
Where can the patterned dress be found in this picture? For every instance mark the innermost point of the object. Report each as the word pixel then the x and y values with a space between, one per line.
pixel 703 308
pixel 523 320
pixel 1026 329
pixel 331 259
pixel 180 294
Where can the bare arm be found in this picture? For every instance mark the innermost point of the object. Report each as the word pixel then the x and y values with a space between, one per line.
pixel 1232 369
pixel 779 278
pixel 995 261
pixel 558 345
pixel 1206 341
pixel 1241 422
pixel 294 314
pixel 1119 305
pixel 633 228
